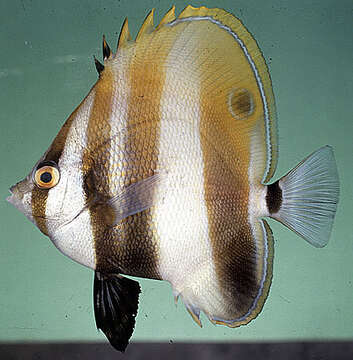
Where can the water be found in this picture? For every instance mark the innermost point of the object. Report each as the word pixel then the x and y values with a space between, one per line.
pixel 46 68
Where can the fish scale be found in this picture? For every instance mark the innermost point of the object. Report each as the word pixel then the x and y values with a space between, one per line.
pixel 163 172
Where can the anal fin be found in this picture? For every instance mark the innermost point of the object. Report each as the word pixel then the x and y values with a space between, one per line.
pixel 195 313
pixel 115 307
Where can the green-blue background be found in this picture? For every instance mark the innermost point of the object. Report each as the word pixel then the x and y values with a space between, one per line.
pixel 46 68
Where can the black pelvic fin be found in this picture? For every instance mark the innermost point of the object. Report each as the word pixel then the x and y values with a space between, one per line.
pixel 106 49
pixel 115 307
pixel 99 66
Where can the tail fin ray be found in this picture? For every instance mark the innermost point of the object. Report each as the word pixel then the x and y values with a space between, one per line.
pixel 310 194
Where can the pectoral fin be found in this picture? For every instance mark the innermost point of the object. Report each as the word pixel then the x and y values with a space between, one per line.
pixel 135 198
pixel 115 307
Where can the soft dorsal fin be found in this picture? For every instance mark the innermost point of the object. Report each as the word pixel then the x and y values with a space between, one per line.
pixel 248 44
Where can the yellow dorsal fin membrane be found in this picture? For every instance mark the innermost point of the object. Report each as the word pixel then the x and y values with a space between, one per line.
pixel 147 26
pixel 124 36
pixel 191 11
pixel 106 49
pixel 167 18
pixel 255 59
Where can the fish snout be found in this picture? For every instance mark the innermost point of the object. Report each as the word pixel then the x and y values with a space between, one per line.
pixel 15 196
pixel 20 196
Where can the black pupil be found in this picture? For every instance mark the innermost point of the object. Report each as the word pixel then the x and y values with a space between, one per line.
pixel 46 177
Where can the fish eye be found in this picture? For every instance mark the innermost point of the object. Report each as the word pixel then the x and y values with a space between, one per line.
pixel 47 175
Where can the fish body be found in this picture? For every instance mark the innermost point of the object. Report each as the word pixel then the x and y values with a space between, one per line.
pixel 163 172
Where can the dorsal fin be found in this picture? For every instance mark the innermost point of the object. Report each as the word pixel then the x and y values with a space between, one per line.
pixel 191 11
pixel 147 26
pixel 167 18
pixel 244 47
pixel 99 65
pixel 124 36
pixel 106 50
pixel 242 36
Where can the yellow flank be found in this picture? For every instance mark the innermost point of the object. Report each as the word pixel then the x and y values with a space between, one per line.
pixel 235 59
pixel 98 129
pixel 226 77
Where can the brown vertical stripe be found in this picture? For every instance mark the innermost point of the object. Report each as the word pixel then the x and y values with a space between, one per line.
pixel 131 246
pixel 139 232
pixel 96 171
pixel 226 196
pixel 226 146
pixel 40 196
pixel 225 142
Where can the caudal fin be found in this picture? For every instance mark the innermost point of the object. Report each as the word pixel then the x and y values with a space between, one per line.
pixel 305 200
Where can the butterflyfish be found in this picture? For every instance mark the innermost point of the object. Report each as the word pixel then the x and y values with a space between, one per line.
pixel 164 171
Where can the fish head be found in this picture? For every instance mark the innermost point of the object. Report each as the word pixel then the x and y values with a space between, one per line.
pixel 51 195
pixel 56 196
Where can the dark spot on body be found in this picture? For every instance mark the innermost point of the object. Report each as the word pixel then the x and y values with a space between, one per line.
pixel 274 197
pixel 241 103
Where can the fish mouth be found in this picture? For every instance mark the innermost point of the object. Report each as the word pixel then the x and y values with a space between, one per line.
pixel 16 199
pixel 16 196
pixel 19 200
pixel 12 198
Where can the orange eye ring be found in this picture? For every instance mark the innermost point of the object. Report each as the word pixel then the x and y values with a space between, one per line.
pixel 47 177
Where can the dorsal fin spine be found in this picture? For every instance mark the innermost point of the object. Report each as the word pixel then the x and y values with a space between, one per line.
pixel 106 49
pixel 167 18
pixel 147 27
pixel 124 36
pixel 99 65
